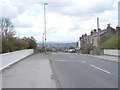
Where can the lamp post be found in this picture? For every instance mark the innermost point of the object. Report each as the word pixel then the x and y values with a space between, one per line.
pixel 43 41
pixel 45 24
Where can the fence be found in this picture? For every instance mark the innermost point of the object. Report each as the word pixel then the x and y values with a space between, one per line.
pixel 112 52
pixel 12 57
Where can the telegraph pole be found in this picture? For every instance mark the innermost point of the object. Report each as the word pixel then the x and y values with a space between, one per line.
pixel 45 24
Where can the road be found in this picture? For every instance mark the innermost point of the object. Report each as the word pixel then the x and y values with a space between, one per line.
pixel 81 71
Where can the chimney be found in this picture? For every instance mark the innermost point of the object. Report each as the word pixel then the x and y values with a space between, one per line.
pixel 117 28
pixel 94 30
pixel 91 32
pixel 108 26
pixel 99 30
pixel 85 34
pixel 80 38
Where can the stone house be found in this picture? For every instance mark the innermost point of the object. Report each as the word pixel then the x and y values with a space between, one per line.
pixel 95 36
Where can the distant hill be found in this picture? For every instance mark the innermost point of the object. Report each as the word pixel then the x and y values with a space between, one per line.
pixel 61 44
pixel 58 45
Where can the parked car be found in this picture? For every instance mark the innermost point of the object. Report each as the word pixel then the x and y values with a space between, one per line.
pixel 71 50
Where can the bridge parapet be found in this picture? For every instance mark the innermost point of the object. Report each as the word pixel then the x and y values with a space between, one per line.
pixel 12 57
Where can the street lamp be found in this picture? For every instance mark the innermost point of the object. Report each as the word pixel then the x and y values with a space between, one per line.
pixel 45 24
pixel 43 41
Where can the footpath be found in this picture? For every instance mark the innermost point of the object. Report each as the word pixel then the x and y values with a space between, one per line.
pixel 32 72
pixel 107 57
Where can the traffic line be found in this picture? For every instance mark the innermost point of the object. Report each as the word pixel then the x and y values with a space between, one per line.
pixel 66 61
pixel 101 69
pixel 60 60
pixel 83 61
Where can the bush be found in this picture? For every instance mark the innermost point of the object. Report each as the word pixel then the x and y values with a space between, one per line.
pixel 112 43
pixel 86 49
pixel 10 43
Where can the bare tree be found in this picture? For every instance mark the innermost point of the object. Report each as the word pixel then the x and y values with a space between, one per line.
pixel 6 26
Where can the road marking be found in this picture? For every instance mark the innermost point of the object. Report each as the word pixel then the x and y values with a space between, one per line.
pixel 53 53
pixel 67 60
pixel 83 61
pixel 101 69
pixel 60 60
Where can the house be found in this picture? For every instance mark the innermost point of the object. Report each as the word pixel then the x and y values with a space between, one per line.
pixel 95 36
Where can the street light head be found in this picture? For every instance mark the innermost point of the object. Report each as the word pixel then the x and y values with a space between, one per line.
pixel 45 3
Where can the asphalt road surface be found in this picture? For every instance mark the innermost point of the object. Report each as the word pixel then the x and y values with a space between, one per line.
pixel 81 71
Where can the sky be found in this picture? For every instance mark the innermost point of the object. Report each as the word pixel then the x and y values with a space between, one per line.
pixel 66 20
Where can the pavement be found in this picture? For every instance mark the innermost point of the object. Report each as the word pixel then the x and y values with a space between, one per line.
pixel 106 57
pixel 32 72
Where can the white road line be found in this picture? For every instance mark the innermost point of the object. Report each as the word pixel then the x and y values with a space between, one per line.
pixel 61 60
pixel 101 69
pixel 83 61
pixel 67 60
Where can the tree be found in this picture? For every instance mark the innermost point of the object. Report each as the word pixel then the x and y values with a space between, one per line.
pixel 6 27
pixel 7 32
pixel 10 42
pixel 31 42
pixel 7 43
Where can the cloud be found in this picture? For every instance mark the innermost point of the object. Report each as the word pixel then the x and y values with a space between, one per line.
pixel 19 24
pixel 66 20
pixel 72 7
pixel 13 9
pixel 79 8
pixel 8 10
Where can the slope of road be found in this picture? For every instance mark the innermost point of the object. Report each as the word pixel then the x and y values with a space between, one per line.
pixel 31 72
pixel 80 71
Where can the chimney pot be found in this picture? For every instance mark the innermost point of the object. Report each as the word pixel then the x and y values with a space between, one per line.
pixel 91 32
pixel 108 25
pixel 99 29
pixel 94 30
pixel 80 38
